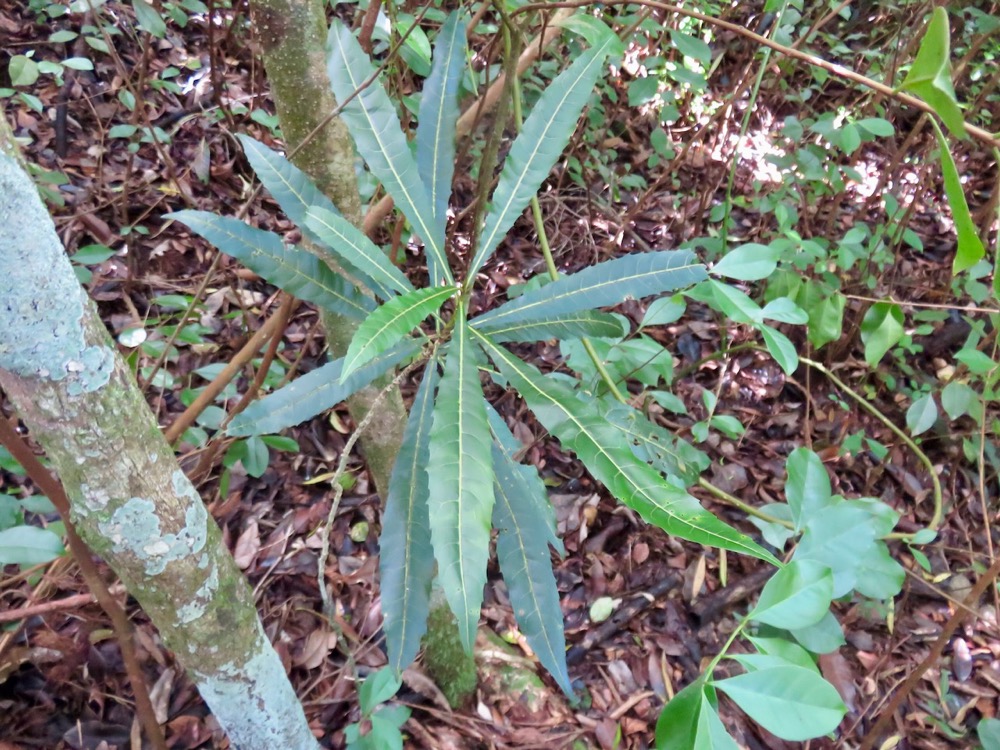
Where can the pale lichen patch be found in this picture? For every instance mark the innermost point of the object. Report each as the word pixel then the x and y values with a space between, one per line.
pixel 201 599
pixel 135 528
pixel 95 498
pixel 253 699
pixel 41 302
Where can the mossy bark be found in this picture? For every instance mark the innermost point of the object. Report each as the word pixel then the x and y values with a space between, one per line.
pixel 130 501
pixel 293 38
pixel 448 665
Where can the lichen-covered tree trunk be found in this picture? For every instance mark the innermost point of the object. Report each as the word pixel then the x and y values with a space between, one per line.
pixel 130 501
pixel 293 38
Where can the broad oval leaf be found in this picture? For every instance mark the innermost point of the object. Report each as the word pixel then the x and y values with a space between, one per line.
pixel 313 393
pixel 692 46
pixel 797 596
pixel 690 722
pixel 391 322
pixel 350 243
pixel 149 18
pixel 371 118
pixel 784 649
pixel 436 126
pixel 28 545
pixel 839 536
pixel 676 726
pixel 609 283
pixel 791 702
pixel 460 477
pixel 879 575
pixel 584 324
pixel 807 490
pixel 922 414
pixel 728 300
pixel 784 310
pixel 298 272
pixel 748 262
pixel 781 348
pixel 523 554
pixel 539 144
pixel 664 311
pixel 958 399
pixel 583 428
pixel 378 687
pixel 406 558
pixel 824 637
pixel 881 329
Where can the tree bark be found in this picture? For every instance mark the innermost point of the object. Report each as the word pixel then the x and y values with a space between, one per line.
pixel 130 500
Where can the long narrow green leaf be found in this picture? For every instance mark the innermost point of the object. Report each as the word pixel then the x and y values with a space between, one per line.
pixel 629 277
pixel 436 125
pixel 313 393
pixel 287 184
pixel 406 564
pixel 293 269
pixel 655 445
pixel 584 324
pixel 523 553
pixel 970 248
pixel 372 121
pixel 460 474
pixel 539 144
pixel 295 193
pixel 389 323
pixel 350 243
pixel 542 510
pixel 582 427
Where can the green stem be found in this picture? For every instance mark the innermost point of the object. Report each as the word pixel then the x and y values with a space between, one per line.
pixel 737 631
pixel 737 503
pixel 874 411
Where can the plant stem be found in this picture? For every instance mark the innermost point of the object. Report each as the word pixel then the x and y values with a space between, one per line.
pixel 746 508
pixel 874 411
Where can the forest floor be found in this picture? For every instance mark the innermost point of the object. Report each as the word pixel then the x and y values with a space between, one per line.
pixel 62 683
